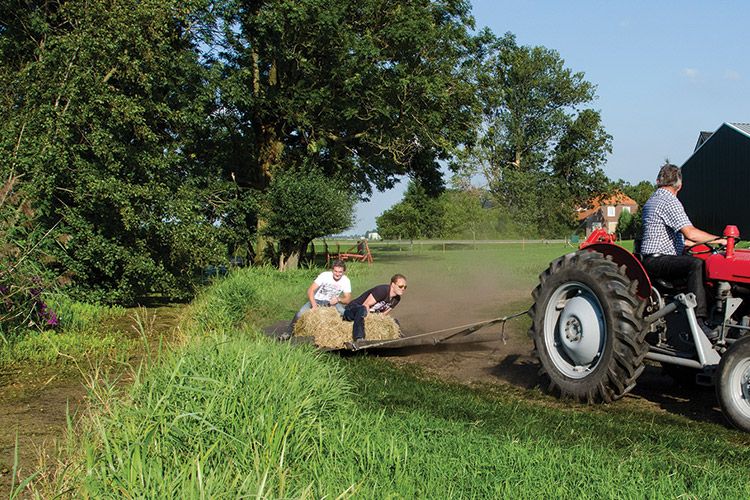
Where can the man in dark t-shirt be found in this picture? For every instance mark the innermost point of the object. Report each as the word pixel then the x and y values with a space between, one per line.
pixel 380 299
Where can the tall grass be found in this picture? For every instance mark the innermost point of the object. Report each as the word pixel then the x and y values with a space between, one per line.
pixel 244 417
pixel 74 316
pixel 223 418
pixel 234 414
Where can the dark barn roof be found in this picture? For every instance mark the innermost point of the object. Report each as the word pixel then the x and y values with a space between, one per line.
pixel 716 180
pixel 703 137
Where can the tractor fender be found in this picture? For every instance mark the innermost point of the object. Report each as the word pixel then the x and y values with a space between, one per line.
pixel 633 267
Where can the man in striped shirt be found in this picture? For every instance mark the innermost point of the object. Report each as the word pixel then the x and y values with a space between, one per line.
pixel 667 230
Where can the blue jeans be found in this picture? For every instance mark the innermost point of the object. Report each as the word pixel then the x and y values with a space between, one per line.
pixel 356 313
pixel 322 303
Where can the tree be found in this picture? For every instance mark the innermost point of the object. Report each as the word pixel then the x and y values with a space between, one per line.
pixel 366 91
pixel 399 221
pixel 418 215
pixel 99 101
pixel 578 155
pixel 464 214
pixel 625 225
pixel 539 149
pixel 301 205
pixel 640 192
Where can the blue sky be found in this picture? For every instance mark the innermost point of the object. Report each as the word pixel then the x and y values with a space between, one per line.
pixel 664 71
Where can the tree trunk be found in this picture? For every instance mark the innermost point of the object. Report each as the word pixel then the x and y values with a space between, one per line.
pixel 269 148
pixel 290 255
pixel 289 262
pixel 517 159
pixel 312 253
pixel 325 249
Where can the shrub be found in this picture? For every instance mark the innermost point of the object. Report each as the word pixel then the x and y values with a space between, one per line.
pixel 23 277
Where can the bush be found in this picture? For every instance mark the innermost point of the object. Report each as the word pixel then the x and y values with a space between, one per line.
pixel 23 278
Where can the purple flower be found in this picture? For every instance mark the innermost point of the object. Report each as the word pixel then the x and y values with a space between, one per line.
pixel 46 314
pixel 52 319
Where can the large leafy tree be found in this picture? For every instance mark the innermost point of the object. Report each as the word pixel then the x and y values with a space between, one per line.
pixel 365 91
pixel 401 221
pixel 540 148
pixel 98 100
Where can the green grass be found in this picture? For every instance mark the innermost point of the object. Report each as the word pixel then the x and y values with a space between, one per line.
pixel 234 414
pixel 77 316
pixel 84 330
pixel 243 416
pixel 50 347
pixel 512 443
pixel 226 417
pixel 255 296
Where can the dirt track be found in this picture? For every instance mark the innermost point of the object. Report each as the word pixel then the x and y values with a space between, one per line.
pixel 433 303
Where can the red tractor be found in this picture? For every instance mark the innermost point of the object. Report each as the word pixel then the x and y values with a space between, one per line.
pixel 597 317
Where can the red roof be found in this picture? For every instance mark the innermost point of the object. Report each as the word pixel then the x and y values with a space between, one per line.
pixel 597 203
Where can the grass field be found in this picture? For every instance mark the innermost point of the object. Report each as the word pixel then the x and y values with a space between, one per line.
pixel 234 414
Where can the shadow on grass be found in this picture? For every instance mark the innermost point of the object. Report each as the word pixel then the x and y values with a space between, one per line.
pixel 159 301
pixel 697 403
pixel 688 400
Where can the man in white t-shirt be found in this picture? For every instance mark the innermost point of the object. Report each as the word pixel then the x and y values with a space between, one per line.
pixel 330 288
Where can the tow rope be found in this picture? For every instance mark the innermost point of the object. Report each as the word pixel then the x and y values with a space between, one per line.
pixel 467 329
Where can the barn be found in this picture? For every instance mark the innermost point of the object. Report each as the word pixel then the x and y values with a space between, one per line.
pixel 716 180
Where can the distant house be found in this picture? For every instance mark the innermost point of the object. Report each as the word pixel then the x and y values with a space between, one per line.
pixel 604 212
pixel 716 180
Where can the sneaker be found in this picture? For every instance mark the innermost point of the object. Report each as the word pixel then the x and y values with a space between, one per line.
pixel 285 336
pixel 711 333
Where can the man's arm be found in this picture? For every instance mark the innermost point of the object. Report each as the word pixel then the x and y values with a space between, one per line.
pixel 369 302
pixel 696 235
pixel 311 294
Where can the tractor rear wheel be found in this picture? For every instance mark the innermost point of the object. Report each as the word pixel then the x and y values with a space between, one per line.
pixel 733 384
pixel 587 328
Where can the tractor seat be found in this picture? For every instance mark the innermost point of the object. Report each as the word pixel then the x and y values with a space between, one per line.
pixel 666 286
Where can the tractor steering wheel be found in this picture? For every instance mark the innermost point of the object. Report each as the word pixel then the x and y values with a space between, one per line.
pixel 709 248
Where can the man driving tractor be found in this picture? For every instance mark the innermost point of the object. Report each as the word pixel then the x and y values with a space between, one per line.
pixel 667 231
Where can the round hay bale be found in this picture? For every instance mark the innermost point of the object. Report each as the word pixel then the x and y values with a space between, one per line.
pixel 330 331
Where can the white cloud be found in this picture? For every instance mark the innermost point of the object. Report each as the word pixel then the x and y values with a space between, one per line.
pixel 691 73
pixel 733 75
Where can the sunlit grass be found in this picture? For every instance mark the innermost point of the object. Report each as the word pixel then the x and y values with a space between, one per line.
pixel 234 414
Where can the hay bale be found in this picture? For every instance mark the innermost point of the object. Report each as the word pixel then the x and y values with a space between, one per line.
pixel 330 331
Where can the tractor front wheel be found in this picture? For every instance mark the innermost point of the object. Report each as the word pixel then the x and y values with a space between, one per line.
pixel 733 384
pixel 587 328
